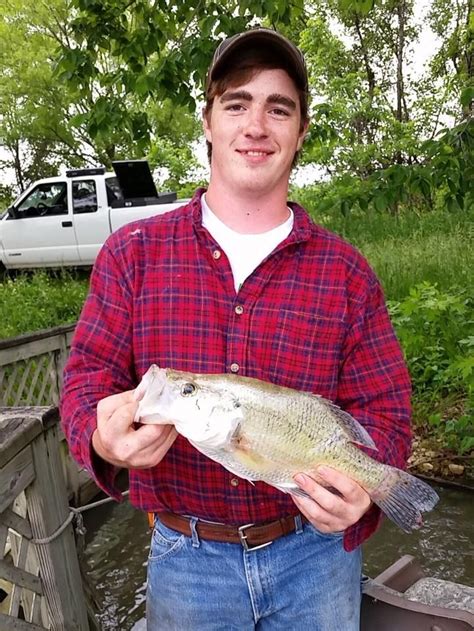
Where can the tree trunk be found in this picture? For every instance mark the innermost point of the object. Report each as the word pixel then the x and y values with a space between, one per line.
pixel 468 109
pixel 401 111
pixel 364 125
pixel 20 180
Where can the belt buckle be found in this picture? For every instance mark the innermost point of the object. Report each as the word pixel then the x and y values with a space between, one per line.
pixel 243 539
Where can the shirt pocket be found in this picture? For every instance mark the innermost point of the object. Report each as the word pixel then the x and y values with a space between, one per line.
pixel 304 351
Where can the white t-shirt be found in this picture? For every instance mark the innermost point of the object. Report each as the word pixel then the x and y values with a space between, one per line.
pixel 244 251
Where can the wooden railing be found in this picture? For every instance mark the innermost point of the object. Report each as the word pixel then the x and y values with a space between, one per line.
pixel 36 533
pixel 31 367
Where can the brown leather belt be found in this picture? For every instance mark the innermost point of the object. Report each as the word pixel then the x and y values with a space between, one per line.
pixel 251 536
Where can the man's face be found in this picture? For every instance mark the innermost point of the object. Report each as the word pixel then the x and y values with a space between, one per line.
pixel 255 130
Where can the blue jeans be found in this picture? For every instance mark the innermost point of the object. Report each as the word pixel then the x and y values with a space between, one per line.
pixel 304 581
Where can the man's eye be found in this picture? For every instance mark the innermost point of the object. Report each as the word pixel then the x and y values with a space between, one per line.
pixel 235 107
pixel 188 389
pixel 280 112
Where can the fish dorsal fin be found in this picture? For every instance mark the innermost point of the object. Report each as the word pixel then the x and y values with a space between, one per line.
pixel 354 431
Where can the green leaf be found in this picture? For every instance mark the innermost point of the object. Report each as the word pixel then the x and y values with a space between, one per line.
pixel 467 95
pixel 381 202
pixel 467 444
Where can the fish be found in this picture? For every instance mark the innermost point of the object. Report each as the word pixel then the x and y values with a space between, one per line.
pixel 261 431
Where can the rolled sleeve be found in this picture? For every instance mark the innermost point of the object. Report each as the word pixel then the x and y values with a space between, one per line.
pixel 374 387
pixel 100 364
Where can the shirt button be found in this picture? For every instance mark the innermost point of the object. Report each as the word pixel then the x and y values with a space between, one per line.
pixel 216 254
pixel 234 482
pixel 234 367
pixel 239 310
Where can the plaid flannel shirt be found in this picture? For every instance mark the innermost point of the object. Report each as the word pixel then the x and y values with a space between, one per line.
pixel 311 317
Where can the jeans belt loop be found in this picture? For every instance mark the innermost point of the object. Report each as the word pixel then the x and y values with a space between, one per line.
pixel 243 540
pixel 298 524
pixel 194 534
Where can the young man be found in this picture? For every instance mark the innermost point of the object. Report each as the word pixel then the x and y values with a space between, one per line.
pixel 241 281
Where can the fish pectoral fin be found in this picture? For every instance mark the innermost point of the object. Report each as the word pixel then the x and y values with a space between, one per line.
pixel 243 452
pixel 292 489
pixel 249 459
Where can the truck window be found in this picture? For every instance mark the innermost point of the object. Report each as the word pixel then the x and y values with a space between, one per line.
pixel 84 196
pixel 45 199
pixel 114 192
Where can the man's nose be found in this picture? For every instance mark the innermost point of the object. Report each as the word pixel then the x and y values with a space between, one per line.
pixel 255 125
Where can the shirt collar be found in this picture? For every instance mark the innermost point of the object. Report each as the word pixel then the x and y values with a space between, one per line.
pixel 303 226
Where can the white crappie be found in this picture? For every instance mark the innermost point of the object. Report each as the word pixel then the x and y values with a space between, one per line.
pixel 260 431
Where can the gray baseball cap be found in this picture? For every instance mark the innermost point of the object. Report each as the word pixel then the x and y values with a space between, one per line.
pixel 260 37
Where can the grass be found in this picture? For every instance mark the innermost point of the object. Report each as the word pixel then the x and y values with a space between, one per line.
pixel 33 301
pixel 444 259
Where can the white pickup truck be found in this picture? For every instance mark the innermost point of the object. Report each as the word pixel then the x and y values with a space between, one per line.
pixel 63 221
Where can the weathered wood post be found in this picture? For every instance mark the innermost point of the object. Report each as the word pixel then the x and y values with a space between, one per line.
pixel 30 462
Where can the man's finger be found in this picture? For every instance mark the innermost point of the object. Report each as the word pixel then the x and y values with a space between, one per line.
pixel 346 486
pixel 153 436
pixel 328 501
pixel 120 420
pixel 151 456
pixel 107 406
pixel 315 514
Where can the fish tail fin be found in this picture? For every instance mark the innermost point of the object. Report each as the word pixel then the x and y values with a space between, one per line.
pixel 403 497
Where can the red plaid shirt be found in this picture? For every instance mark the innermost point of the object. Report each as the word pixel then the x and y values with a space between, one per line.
pixel 311 317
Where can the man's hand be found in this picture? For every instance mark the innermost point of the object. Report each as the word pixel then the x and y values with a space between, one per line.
pixel 325 510
pixel 118 442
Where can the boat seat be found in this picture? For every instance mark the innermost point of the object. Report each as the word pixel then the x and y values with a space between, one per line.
pixel 440 593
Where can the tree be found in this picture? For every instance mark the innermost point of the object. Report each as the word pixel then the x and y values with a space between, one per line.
pixel 358 71
pixel 100 80
pixel 32 127
pixel 453 22
pixel 45 123
pixel 148 51
pixel 376 127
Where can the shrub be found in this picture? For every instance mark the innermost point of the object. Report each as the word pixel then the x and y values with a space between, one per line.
pixel 434 328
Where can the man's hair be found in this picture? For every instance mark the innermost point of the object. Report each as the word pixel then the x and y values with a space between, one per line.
pixel 240 70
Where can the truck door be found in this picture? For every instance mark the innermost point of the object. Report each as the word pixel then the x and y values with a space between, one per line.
pixel 41 232
pixel 91 219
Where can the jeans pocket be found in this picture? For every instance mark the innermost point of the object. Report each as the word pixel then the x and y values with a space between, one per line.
pixel 165 542
pixel 325 535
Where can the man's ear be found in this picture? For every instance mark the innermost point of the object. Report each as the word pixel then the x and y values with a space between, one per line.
pixel 302 135
pixel 205 124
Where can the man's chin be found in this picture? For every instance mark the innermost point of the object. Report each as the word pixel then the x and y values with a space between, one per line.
pixel 256 187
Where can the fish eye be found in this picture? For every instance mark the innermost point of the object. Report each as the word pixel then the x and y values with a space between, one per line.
pixel 188 389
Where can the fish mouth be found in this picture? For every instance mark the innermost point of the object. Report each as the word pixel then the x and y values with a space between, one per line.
pixel 155 377
pixel 151 387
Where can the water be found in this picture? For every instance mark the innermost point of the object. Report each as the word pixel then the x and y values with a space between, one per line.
pixel 118 541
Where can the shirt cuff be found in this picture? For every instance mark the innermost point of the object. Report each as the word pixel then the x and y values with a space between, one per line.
pixel 359 532
pixel 103 473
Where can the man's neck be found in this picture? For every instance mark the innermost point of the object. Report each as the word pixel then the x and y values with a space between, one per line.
pixel 248 213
